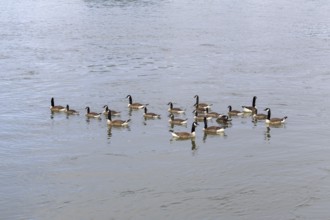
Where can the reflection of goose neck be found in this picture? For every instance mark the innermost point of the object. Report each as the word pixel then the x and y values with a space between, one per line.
pixel 205 123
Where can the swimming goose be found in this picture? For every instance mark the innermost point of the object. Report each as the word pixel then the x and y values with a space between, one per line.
pixel 198 117
pixel 70 111
pixel 134 105
pixel 212 129
pixel 232 112
pixel 113 113
pixel 56 108
pixel 257 116
pixel 274 121
pixel 90 114
pixel 201 105
pixel 223 119
pixel 147 114
pixel 117 123
pixel 177 121
pixel 175 110
pixel 185 135
pixel 250 109
pixel 212 114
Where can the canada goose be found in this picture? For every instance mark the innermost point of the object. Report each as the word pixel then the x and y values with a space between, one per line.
pixel 149 114
pixel 185 135
pixel 70 111
pixel 117 123
pixel 212 129
pixel 198 117
pixel 175 110
pixel 90 114
pixel 250 109
pixel 212 114
pixel 232 112
pixel 134 105
pixel 201 105
pixel 177 121
pixel 274 121
pixel 257 116
pixel 223 119
pixel 106 110
pixel 56 108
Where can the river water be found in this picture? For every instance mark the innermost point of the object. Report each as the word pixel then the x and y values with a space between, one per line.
pixel 96 52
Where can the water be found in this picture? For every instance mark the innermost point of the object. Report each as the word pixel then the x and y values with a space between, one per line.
pixel 95 52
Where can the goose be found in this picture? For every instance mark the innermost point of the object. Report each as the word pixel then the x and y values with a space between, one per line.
pixel 90 114
pixel 201 105
pixel 185 135
pixel 70 111
pixel 134 105
pixel 56 108
pixel 257 116
pixel 274 121
pixel 175 110
pixel 200 117
pixel 177 121
pixel 147 114
pixel 232 112
pixel 212 129
pixel 223 119
pixel 250 109
pixel 113 113
pixel 212 114
pixel 117 123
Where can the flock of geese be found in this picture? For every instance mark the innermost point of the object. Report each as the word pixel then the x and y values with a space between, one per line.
pixel 202 113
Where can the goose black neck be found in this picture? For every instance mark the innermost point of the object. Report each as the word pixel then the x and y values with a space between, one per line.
pixel 67 107
pixel 197 100
pixel 145 110
pixel 52 102
pixel 130 99
pixel 171 105
pixel 229 107
pixel 254 101
pixel 109 115
pixel 88 110
pixel 268 115
pixel 193 127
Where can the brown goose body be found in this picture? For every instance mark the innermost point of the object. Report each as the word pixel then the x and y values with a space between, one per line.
pixel 232 112
pixel 274 121
pixel 56 108
pixel 224 119
pixel 185 135
pixel 70 111
pixel 250 109
pixel 90 114
pixel 212 129
pixel 118 122
pixel 177 121
pixel 201 105
pixel 147 114
pixel 113 112
pixel 175 110
pixel 259 116
pixel 133 105
pixel 198 117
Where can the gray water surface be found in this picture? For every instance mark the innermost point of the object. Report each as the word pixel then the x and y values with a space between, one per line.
pixel 96 52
